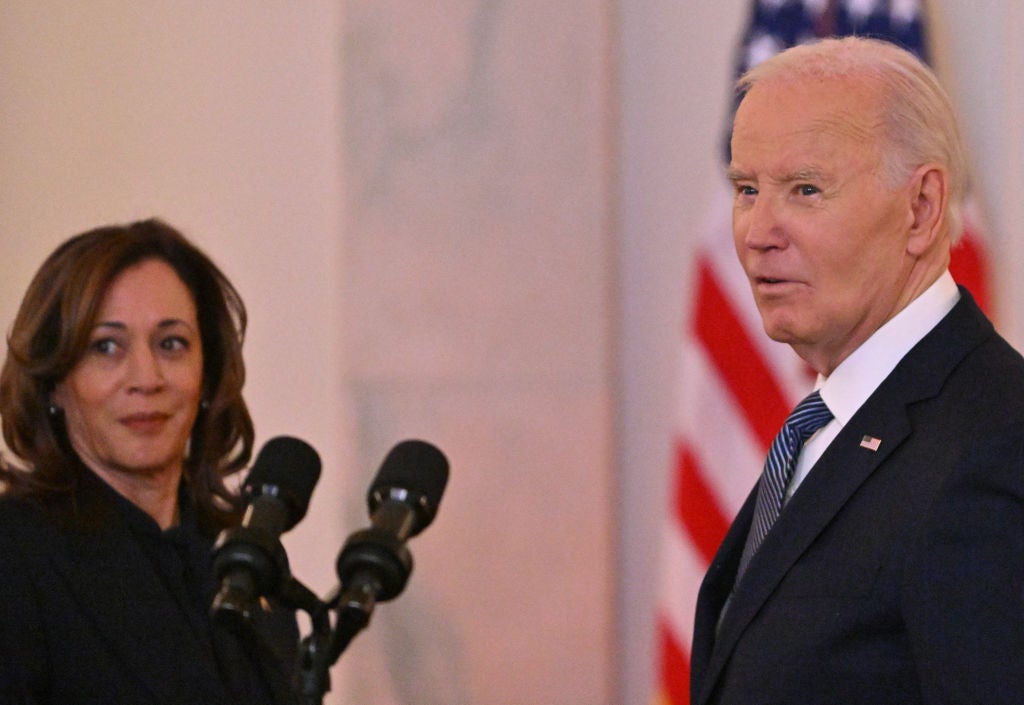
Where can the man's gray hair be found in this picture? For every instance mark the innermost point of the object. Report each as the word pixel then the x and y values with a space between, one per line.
pixel 919 123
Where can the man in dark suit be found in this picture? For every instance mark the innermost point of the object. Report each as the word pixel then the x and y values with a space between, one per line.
pixel 889 566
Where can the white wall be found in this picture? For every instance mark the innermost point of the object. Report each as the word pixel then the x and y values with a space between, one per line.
pixel 478 293
pixel 984 65
pixel 414 200
pixel 677 63
pixel 222 118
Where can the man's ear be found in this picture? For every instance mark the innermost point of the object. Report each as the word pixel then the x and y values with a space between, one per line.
pixel 929 194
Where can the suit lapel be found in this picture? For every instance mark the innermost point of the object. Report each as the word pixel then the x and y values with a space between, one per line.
pixel 844 467
pixel 836 476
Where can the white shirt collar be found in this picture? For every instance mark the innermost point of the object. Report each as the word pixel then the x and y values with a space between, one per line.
pixel 859 375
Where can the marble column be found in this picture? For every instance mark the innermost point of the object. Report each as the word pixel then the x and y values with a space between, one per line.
pixel 478 305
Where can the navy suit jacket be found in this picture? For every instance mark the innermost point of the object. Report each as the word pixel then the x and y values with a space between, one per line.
pixel 893 575
pixel 85 617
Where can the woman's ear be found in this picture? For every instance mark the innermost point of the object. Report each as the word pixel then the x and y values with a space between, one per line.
pixel 57 396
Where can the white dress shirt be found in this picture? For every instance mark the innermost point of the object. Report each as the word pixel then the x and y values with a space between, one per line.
pixel 859 375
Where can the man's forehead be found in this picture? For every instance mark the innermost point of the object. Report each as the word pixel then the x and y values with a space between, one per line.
pixel 805 120
pixel 831 103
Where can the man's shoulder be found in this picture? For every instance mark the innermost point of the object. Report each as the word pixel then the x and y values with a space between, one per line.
pixel 966 344
pixel 997 364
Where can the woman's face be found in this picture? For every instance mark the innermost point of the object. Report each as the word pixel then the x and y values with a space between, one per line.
pixel 132 398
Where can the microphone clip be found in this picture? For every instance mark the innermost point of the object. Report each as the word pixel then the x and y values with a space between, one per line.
pixel 374 559
pixel 247 563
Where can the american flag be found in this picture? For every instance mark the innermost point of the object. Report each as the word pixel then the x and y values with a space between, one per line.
pixel 735 385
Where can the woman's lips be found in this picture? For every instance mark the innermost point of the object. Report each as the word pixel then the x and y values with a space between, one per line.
pixel 146 422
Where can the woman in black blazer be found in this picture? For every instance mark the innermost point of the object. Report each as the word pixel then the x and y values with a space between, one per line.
pixel 121 398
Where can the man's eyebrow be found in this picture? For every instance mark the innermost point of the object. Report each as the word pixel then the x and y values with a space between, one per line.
pixel 734 174
pixel 804 174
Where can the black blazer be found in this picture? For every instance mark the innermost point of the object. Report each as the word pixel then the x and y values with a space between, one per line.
pixel 85 616
pixel 893 575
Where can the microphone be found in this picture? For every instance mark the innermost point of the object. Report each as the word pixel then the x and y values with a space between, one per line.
pixel 402 501
pixel 374 564
pixel 248 560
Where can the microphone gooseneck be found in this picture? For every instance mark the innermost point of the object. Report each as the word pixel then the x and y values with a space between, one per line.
pixel 248 560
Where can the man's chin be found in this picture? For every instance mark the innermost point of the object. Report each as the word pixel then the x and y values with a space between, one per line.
pixel 780 331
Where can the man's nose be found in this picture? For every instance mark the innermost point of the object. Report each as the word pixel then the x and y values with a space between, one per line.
pixel 761 225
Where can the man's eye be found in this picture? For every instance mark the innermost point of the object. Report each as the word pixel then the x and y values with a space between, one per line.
pixel 808 190
pixel 746 190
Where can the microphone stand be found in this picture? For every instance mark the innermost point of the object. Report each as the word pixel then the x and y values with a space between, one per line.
pixel 233 605
pixel 354 607
pixel 373 566
pixel 312 678
pixel 322 648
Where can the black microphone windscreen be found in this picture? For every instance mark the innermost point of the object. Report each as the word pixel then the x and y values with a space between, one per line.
pixel 287 468
pixel 416 466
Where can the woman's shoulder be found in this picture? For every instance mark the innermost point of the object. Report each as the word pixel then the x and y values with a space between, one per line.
pixel 17 507
pixel 31 522
pixel 27 537
pixel 23 516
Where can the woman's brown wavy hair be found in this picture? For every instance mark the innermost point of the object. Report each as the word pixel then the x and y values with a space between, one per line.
pixel 51 332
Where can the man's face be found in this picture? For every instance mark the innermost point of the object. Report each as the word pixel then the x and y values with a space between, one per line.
pixel 820 234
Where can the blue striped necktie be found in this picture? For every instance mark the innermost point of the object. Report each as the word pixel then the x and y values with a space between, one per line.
pixel 808 416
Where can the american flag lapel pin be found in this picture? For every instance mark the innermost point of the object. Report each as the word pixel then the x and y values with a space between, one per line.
pixel 870 442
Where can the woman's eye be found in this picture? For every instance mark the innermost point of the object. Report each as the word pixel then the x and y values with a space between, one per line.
pixel 174 343
pixel 104 346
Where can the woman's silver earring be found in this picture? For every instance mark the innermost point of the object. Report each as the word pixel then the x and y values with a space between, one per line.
pixel 204 404
pixel 53 410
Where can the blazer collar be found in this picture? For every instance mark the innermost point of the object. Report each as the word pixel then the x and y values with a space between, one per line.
pixel 106 570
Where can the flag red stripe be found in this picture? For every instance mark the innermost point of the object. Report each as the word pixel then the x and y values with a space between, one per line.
pixel 736 358
pixel 968 266
pixel 696 507
pixel 675 668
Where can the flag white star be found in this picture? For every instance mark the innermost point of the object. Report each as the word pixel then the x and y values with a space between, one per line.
pixel 905 11
pixel 860 10
pixel 815 7
pixel 761 47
